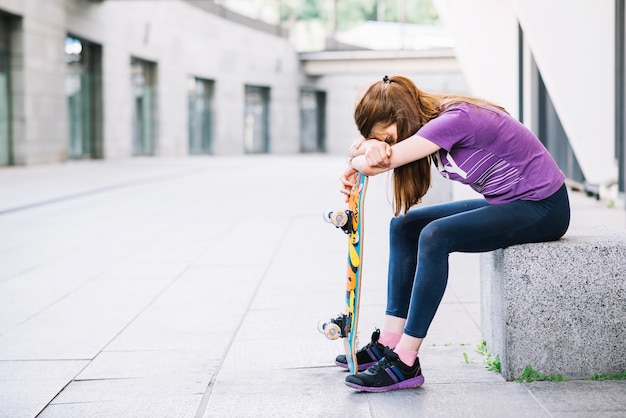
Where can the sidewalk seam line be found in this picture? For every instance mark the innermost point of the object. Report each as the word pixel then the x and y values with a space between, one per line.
pixel 206 396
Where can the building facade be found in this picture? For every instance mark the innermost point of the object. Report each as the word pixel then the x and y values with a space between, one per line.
pixel 344 75
pixel 107 79
pixel 122 78
pixel 559 67
pixel 84 79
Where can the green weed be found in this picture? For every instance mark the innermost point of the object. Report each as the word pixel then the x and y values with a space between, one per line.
pixel 481 348
pixel 492 363
pixel 604 376
pixel 532 375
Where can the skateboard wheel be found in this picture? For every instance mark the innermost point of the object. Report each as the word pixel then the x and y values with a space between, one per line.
pixel 332 331
pixel 339 219
pixel 329 329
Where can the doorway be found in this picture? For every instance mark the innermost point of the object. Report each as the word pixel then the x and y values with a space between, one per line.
pixel 256 120
pixel 83 87
pixel 200 116
pixel 143 81
pixel 312 121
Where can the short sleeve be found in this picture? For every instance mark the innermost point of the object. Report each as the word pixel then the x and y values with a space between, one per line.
pixel 452 128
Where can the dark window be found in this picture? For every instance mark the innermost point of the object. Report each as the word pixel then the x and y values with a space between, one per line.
pixel 200 116
pixel 550 131
pixel 83 87
pixel 5 91
pixel 312 121
pixel 256 120
pixel 143 80
pixel 620 93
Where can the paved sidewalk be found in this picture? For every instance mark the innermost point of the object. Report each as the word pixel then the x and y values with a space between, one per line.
pixel 192 287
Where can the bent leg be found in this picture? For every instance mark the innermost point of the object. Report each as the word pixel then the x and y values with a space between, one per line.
pixel 483 229
pixel 404 233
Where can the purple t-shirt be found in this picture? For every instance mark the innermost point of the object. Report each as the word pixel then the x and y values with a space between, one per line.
pixel 492 152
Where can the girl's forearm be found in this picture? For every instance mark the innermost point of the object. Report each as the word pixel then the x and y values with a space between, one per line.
pixel 360 164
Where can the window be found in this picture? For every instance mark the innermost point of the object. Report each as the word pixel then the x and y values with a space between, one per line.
pixel 550 131
pixel 620 93
pixel 200 116
pixel 256 120
pixel 143 81
pixel 312 121
pixel 83 89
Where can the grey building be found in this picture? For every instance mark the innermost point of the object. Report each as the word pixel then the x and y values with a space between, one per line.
pixel 84 79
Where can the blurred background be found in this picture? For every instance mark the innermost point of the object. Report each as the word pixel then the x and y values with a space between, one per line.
pixel 106 79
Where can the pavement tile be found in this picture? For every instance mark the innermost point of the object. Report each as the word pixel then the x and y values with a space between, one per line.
pixel 200 310
pixel 491 400
pixel 127 270
pixel 151 387
pixel 136 407
pixel 452 324
pixel 581 397
pixel 191 287
pixel 446 364
pixel 79 325
pixel 28 386
pixel 316 392
pixel 175 364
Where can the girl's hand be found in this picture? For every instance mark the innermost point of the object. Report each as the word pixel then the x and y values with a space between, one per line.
pixel 377 154
pixel 348 178
pixel 375 158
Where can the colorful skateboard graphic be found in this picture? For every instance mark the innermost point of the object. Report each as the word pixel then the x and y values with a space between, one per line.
pixel 351 222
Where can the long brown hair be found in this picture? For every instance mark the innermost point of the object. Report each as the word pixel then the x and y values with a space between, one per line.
pixel 397 99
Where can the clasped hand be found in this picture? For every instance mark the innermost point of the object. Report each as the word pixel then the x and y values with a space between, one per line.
pixel 364 154
pixel 377 153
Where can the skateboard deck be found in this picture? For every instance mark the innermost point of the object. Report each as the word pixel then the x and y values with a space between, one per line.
pixel 351 222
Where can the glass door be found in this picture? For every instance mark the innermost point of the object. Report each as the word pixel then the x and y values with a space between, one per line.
pixel 256 120
pixel 83 91
pixel 312 121
pixel 200 116
pixel 143 80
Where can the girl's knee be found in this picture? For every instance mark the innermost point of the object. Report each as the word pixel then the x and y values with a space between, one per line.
pixel 430 233
pixel 435 239
pixel 411 222
pixel 396 224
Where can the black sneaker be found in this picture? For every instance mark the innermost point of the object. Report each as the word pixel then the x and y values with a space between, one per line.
pixel 388 374
pixel 366 356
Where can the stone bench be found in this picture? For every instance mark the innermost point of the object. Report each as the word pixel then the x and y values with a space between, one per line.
pixel 559 307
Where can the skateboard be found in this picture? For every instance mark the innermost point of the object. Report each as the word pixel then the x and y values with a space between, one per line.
pixel 349 221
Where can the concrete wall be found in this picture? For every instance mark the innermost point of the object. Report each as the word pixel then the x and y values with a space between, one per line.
pixel 39 109
pixel 182 39
pixel 573 45
pixel 345 75
pixel 485 39
pixel 186 41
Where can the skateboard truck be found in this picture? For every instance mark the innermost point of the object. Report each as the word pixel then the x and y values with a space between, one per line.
pixel 335 328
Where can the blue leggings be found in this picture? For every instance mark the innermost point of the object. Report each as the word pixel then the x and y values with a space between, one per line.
pixel 422 239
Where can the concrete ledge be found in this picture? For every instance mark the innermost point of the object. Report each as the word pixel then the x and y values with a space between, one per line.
pixel 558 306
